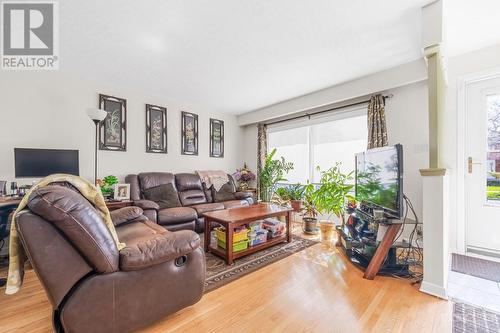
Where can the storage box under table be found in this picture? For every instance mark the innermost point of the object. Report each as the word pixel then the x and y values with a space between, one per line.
pixel 238 236
pixel 239 246
pixel 257 237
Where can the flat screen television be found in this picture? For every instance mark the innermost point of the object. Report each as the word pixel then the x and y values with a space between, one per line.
pixel 43 162
pixel 379 180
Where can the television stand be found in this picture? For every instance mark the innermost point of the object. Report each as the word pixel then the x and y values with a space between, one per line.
pixel 376 264
pixel 382 251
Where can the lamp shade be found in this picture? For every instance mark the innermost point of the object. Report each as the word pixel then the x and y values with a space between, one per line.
pixel 96 114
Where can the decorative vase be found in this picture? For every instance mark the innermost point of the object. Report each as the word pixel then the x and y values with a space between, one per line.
pixel 296 205
pixel 327 228
pixel 310 225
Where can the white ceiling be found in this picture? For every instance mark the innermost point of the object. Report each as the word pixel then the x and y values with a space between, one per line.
pixel 471 25
pixel 235 55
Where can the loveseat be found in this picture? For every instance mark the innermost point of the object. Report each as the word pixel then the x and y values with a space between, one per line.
pixel 178 201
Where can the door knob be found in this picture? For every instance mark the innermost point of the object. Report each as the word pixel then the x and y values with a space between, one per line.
pixel 470 163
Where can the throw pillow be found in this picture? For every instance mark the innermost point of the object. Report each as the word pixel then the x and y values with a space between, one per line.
pixel 226 193
pixel 164 195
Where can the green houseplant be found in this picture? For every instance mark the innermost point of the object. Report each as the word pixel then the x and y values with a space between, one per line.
pixel 332 194
pixel 309 211
pixel 292 194
pixel 272 172
pixel 296 194
pixel 106 185
pixel 281 196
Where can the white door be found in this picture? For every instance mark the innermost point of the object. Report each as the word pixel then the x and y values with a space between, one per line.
pixel 482 174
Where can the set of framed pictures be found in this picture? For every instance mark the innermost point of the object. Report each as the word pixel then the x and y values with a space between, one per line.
pixel 113 129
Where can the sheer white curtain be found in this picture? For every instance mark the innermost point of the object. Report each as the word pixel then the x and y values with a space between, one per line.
pixel 337 141
pixel 322 141
pixel 292 144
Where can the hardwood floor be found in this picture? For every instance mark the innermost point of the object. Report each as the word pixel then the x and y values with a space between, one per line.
pixel 316 290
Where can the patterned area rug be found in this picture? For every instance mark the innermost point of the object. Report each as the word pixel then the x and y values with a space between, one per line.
pixel 472 319
pixel 477 267
pixel 219 274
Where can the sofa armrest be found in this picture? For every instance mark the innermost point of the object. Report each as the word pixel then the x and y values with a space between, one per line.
pixel 127 214
pixel 158 248
pixel 146 204
pixel 242 195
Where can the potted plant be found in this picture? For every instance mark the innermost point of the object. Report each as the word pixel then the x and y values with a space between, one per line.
pixel 295 194
pixel 106 185
pixel 243 176
pixel 281 196
pixel 272 172
pixel 309 211
pixel 331 196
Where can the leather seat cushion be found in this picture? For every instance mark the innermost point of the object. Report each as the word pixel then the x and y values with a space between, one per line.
pixel 181 226
pixel 208 207
pixel 131 232
pixel 235 203
pixel 176 215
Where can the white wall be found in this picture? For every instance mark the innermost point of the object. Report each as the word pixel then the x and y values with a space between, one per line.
pixel 407 123
pixel 457 67
pixel 47 110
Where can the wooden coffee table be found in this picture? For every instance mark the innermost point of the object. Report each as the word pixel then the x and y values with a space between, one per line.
pixel 235 217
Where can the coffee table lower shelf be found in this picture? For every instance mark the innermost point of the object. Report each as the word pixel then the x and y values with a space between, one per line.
pixel 221 252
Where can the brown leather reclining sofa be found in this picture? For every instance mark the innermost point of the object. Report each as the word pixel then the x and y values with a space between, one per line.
pixel 91 285
pixel 178 201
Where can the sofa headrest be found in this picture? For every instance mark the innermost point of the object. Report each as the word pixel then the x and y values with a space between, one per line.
pixel 187 182
pixel 76 218
pixel 154 179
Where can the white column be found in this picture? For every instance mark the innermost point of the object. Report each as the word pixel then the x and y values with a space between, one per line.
pixel 435 179
pixel 435 229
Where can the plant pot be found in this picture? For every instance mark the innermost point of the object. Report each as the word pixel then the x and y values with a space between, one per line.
pixel 296 205
pixel 327 228
pixel 310 225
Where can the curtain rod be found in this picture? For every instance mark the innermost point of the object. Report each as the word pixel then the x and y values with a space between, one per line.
pixel 308 115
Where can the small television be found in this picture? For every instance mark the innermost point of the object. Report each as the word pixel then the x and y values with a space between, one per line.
pixel 379 180
pixel 43 162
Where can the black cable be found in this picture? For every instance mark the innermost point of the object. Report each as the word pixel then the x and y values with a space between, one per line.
pixel 411 249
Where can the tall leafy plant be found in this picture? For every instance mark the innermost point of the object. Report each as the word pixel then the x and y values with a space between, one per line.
pixel 333 192
pixel 309 208
pixel 273 171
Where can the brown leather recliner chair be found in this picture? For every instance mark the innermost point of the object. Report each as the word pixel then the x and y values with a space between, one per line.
pixel 91 285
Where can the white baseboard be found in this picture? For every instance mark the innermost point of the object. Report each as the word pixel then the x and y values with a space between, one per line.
pixel 433 289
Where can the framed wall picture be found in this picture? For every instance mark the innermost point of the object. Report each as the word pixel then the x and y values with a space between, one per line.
pixel 216 138
pixel 189 128
pixel 113 129
pixel 156 129
pixel 121 192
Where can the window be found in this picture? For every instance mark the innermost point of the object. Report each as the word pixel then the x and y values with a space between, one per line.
pixel 320 142
pixel 292 144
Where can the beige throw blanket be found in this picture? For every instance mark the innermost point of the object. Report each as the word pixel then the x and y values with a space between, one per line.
pixel 17 256
pixel 215 178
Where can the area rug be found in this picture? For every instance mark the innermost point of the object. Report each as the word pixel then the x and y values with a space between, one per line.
pixel 219 273
pixel 477 267
pixel 472 319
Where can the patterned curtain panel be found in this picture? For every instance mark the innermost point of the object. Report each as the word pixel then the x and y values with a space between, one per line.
pixel 377 130
pixel 261 151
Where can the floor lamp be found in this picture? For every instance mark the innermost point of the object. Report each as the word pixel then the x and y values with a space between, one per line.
pixel 96 115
